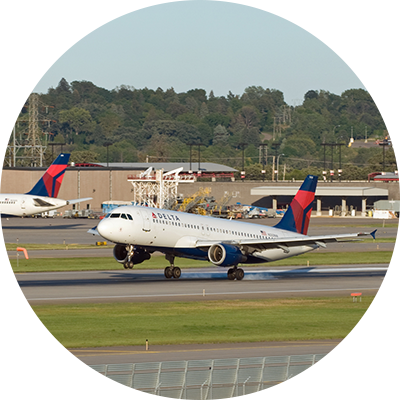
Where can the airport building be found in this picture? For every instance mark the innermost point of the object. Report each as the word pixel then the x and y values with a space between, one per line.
pixel 114 183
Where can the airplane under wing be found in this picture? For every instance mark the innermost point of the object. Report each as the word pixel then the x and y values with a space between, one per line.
pixel 286 242
pixel 74 201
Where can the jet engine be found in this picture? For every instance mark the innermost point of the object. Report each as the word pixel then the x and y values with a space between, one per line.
pixel 225 255
pixel 127 253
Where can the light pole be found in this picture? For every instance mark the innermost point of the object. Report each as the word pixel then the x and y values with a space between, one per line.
pixel 334 128
pixel 243 172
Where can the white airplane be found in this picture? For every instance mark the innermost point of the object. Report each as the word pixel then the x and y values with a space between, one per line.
pixel 140 231
pixel 43 196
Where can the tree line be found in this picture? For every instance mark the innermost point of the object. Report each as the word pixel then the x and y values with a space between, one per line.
pixel 162 125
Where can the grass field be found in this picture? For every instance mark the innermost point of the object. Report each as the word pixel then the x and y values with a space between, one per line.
pixel 123 324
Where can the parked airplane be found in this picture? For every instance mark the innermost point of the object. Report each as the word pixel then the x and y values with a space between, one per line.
pixel 140 231
pixel 43 196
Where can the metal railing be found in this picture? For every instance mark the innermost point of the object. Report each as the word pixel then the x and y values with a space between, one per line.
pixel 348 376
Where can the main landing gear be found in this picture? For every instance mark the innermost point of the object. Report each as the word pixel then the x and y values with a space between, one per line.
pixel 172 271
pixel 235 273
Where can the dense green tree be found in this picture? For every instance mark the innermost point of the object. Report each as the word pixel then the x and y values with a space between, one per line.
pixel 78 119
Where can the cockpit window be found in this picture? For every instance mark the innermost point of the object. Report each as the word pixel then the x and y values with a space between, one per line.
pixel 129 216
pixel 115 215
pixel 123 216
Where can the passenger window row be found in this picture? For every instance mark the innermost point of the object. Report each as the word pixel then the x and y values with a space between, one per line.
pixel 212 229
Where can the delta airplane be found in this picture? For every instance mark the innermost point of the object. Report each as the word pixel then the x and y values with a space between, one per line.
pixel 140 231
pixel 43 196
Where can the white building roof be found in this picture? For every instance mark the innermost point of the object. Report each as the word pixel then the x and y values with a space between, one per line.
pixel 341 191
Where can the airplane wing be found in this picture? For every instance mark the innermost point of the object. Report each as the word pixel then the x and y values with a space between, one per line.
pixel 252 245
pixel 74 201
pixel 38 202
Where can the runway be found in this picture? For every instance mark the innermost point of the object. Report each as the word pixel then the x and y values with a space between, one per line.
pixel 198 284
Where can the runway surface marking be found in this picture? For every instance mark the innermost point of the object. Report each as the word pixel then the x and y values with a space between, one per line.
pixel 196 294
pixel 84 352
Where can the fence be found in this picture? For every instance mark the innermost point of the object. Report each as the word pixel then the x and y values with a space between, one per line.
pixel 348 376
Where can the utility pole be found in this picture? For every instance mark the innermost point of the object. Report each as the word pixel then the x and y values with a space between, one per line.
pixel 340 161
pixel 243 172
pixel 264 150
pixel 274 159
pixel 331 145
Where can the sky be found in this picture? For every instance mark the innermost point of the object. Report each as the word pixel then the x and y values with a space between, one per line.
pixel 203 44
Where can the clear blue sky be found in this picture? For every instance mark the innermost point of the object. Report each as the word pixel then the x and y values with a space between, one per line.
pixel 199 44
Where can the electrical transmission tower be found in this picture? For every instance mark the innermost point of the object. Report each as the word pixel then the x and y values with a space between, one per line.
pixel 282 120
pixel 28 148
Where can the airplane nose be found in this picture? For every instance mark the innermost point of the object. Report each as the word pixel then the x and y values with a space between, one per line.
pixel 105 228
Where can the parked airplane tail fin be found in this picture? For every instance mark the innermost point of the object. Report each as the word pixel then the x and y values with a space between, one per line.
pixel 49 184
pixel 297 216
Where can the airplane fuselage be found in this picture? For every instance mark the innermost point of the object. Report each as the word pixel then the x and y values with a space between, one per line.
pixel 22 205
pixel 178 233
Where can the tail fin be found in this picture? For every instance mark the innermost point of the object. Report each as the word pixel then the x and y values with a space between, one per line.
pixel 49 184
pixel 297 217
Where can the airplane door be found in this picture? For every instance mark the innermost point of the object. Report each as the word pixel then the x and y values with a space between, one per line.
pixel 145 220
pixel 23 206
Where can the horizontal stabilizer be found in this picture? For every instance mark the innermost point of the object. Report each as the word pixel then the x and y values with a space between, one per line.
pixel 74 201
pixel 94 231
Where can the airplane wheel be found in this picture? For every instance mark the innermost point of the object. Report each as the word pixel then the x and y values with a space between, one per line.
pixel 239 274
pixel 176 272
pixel 231 274
pixel 130 264
pixel 168 272
pixel 126 265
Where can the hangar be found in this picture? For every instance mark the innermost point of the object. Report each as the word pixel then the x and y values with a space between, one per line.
pixel 325 196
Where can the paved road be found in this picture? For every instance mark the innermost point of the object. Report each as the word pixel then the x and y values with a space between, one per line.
pixel 138 354
pixel 197 284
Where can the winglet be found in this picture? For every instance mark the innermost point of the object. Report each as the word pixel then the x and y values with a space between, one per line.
pixel 373 233
pixel 49 184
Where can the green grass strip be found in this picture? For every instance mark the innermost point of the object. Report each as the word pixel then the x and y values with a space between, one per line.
pixel 125 324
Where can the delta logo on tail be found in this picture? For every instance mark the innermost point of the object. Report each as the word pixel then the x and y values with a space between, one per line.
pixel 297 217
pixel 49 184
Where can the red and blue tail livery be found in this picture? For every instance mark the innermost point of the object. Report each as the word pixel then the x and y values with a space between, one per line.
pixel 297 217
pixel 49 184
